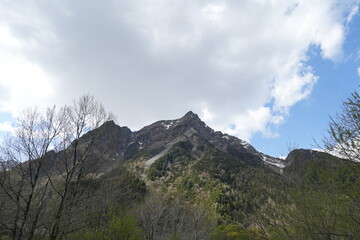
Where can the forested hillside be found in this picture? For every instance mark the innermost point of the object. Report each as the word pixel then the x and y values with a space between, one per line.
pixel 78 175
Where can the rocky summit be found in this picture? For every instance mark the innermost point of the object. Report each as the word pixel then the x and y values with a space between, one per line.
pixel 120 144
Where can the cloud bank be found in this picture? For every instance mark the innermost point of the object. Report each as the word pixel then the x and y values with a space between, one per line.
pixel 241 65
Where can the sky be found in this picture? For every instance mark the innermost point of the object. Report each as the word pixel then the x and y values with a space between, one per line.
pixel 268 72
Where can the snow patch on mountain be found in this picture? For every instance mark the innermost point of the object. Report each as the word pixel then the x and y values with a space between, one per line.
pixel 272 161
pixel 244 144
pixel 167 125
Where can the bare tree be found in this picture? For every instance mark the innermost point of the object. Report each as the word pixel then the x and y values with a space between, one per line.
pixel 152 216
pixel 21 186
pixel 290 145
pixel 162 218
pixel 344 140
pixel 49 180
pixel 344 130
pixel 77 161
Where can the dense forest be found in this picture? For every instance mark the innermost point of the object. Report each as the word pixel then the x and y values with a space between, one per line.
pixel 72 173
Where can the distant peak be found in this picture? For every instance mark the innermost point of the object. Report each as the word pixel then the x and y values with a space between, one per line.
pixel 107 124
pixel 111 126
pixel 190 113
pixel 110 122
pixel 191 116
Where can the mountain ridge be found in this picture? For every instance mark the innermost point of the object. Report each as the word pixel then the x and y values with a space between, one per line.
pixel 161 135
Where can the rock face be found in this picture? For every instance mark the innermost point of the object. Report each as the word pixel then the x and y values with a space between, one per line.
pixel 120 144
pixel 109 138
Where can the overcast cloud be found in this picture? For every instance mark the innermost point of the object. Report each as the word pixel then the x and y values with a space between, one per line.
pixel 241 65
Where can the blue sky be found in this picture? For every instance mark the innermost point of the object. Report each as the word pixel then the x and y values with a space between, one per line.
pixel 268 72
pixel 308 120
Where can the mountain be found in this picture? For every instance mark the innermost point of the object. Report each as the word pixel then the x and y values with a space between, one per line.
pixel 185 157
pixel 180 179
pixel 120 144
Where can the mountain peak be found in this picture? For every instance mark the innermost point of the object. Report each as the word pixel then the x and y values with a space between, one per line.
pixel 109 123
pixel 190 116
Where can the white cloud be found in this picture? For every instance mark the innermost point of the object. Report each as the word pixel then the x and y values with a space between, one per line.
pixel 6 127
pixel 291 87
pixel 253 121
pixel 353 12
pixel 237 63
pixel 6 39
pixel 206 115
pixel 214 12
pixel 22 82
pixel 358 70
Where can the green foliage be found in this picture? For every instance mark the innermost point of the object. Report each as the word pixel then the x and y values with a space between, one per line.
pixel 219 165
pixel 175 160
pixel 225 181
pixel 124 227
pixel 120 226
pixel 235 232
pixel 315 213
pixel 175 237
pixel 322 199
pixel 119 181
pixel 87 234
